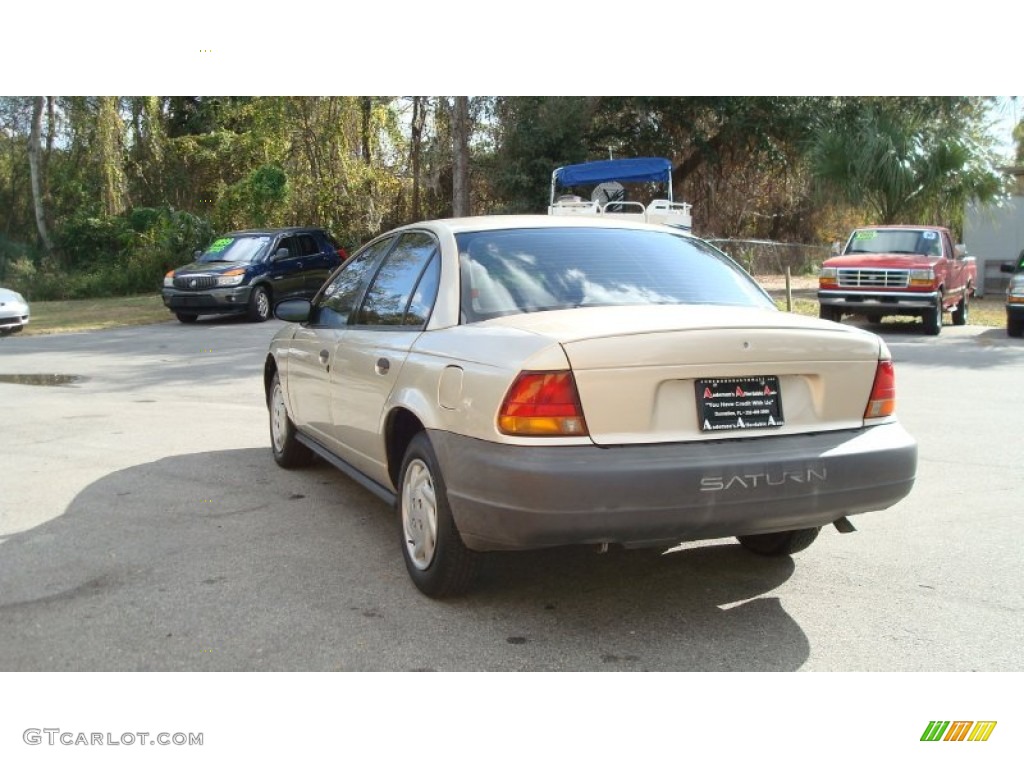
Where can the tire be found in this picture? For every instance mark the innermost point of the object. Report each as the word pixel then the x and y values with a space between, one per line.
pixel 288 452
pixel 932 318
pixel 830 313
pixel 1014 325
pixel 186 318
pixel 258 310
pixel 962 312
pixel 778 544
pixel 874 319
pixel 438 563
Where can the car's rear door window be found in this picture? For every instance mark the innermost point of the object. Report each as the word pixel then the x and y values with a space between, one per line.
pixel 403 290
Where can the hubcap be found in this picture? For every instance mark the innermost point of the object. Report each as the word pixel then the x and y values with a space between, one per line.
pixel 263 304
pixel 419 514
pixel 278 419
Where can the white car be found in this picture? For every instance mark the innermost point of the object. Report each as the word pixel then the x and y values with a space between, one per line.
pixel 518 382
pixel 14 313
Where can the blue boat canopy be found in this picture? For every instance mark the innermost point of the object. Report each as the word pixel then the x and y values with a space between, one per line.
pixel 627 169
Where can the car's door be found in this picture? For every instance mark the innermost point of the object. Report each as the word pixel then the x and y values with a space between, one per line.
pixel 285 270
pixel 370 356
pixel 316 265
pixel 311 350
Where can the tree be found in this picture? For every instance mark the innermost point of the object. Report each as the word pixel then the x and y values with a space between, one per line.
pixel 35 166
pixel 460 156
pixel 918 163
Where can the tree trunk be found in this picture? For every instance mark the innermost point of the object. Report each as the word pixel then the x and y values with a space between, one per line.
pixel 418 120
pixel 460 157
pixel 366 106
pixel 35 170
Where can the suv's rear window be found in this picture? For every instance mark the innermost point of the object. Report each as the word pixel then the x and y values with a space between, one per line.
pixel 243 249
pixel 530 270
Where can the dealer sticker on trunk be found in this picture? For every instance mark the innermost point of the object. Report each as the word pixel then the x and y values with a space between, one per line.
pixel 749 402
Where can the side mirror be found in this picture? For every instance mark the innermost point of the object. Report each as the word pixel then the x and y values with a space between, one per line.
pixel 281 253
pixel 1008 268
pixel 196 254
pixel 959 250
pixel 294 310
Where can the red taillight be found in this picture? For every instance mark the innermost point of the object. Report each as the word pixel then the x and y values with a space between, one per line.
pixel 542 404
pixel 883 392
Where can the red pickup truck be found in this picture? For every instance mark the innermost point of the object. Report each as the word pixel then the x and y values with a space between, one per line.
pixel 899 270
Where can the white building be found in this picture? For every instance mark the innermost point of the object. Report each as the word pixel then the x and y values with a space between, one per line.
pixel 994 235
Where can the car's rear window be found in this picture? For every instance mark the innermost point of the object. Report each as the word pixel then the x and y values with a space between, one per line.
pixel 242 249
pixel 531 270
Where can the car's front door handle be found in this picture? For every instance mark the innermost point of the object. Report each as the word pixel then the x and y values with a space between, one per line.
pixel 383 366
pixel 324 356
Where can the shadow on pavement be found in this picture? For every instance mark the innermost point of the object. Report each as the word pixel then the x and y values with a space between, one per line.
pixel 223 561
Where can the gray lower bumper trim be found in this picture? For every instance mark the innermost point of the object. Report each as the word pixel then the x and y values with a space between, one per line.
pixel 519 497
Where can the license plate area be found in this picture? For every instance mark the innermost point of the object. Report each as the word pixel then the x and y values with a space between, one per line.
pixel 739 403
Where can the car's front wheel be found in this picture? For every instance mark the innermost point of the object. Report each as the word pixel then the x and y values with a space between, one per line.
pixel 288 452
pixel 932 318
pixel 185 317
pixel 962 311
pixel 782 543
pixel 830 313
pixel 259 305
pixel 1015 325
pixel 439 564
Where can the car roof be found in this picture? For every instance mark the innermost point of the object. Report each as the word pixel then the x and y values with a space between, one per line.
pixel 534 221
pixel 272 231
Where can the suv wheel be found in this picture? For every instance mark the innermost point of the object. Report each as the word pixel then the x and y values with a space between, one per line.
pixel 1014 325
pixel 439 564
pixel 784 543
pixel 259 305
pixel 186 318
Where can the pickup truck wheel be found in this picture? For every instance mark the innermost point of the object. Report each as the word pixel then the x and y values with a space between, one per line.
pixel 186 318
pixel 776 544
pixel 932 318
pixel 874 319
pixel 259 305
pixel 1014 326
pixel 439 564
pixel 961 314
pixel 288 452
pixel 830 313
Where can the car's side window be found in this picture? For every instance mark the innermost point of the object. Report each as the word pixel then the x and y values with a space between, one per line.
pixel 341 295
pixel 289 243
pixel 403 290
pixel 307 245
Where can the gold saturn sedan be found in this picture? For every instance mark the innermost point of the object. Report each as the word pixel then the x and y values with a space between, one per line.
pixel 519 382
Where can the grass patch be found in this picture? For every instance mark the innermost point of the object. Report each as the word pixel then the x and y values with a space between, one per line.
pixel 94 314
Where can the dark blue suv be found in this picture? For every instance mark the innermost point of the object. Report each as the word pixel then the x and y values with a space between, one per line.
pixel 250 271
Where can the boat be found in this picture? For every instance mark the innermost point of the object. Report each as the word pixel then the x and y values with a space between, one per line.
pixel 610 198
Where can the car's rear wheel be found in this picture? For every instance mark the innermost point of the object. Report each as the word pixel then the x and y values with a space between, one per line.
pixel 259 305
pixel 962 312
pixel 439 564
pixel 783 543
pixel 185 317
pixel 874 319
pixel 288 452
pixel 932 318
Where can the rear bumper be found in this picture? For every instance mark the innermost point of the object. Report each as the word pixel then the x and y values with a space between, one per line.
pixel 526 497
pixel 215 300
pixel 878 301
